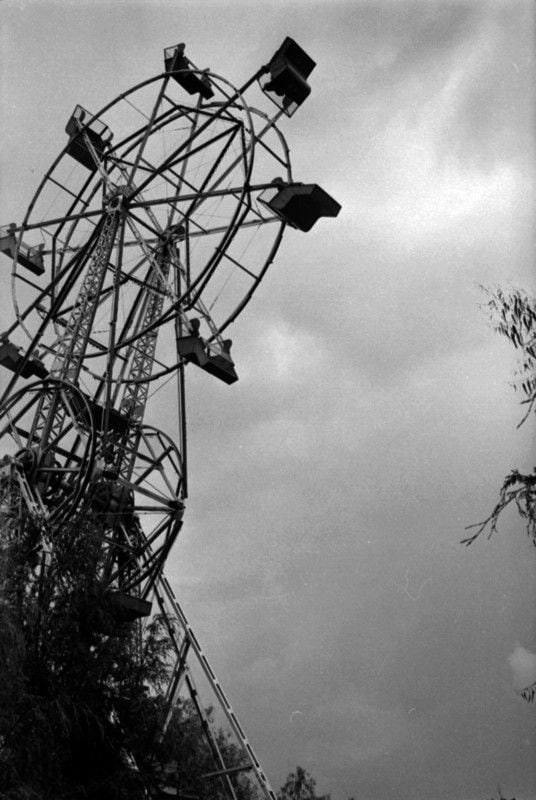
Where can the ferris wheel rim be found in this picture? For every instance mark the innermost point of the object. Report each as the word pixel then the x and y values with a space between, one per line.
pixel 163 76
pixel 89 455
pixel 232 226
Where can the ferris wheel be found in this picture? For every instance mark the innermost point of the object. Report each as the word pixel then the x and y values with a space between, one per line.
pixel 145 239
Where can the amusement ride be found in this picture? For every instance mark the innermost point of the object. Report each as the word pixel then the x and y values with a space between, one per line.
pixel 144 241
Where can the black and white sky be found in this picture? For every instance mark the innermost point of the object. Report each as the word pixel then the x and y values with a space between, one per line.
pixel 320 561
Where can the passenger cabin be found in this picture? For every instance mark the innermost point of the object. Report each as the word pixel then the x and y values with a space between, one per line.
pixel 87 145
pixel 113 501
pixel 117 422
pixel 194 349
pixel 29 257
pixel 289 69
pixel 299 204
pixel 128 607
pixel 193 81
pixel 12 358
pixel 108 611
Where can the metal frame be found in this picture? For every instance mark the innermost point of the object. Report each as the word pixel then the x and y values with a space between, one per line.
pixel 123 250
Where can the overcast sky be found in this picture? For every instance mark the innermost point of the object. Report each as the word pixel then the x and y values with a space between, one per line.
pixel 320 561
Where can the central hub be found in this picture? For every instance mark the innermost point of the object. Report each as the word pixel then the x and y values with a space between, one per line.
pixel 116 198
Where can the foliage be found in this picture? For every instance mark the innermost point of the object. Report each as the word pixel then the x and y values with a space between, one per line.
pixel 529 692
pixel 519 490
pixel 69 664
pixel 185 757
pixel 513 315
pixel 81 689
pixel 300 785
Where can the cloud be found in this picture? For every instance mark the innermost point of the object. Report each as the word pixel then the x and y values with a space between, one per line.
pixel 523 665
pixel 319 561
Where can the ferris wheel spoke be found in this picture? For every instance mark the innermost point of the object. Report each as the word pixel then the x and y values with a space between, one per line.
pixel 135 138
pixel 155 462
pixel 181 176
pixel 205 145
pixel 155 534
pixel 203 193
pixel 12 428
pixel 127 278
pixel 148 129
pixel 142 481
pixel 138 544
pixel 126 164
pixel 53 443
pixel 173 157
pixel 48 223
pixel 146 491
pixel 151 256
pixel 198 193
pixel 152 227
pixel 197 196
pixel 169 176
